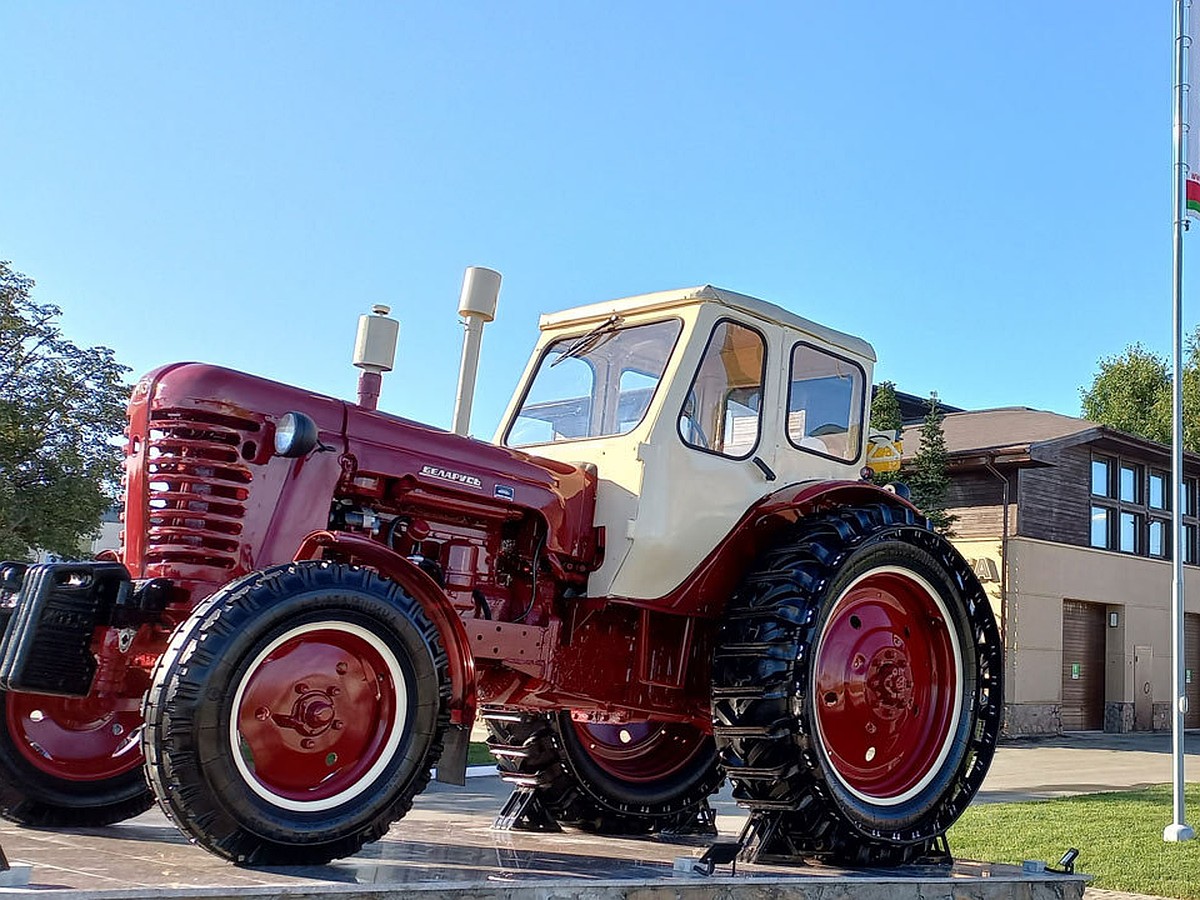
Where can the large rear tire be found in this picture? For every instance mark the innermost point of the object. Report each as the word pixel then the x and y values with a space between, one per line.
pixel 296 714
pixel 69 761
pixel 857 687
pixel 634 778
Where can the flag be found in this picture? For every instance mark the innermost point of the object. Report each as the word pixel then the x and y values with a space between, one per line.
pixel 1192 137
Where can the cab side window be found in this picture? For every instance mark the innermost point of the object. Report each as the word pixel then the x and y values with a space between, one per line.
pixel 722 413
pixel 825 403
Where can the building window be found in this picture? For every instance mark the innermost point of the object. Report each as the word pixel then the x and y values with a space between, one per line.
pixel 1158 491
pixel 1131 484
pixel 1131 533
pixel 1129 507
pixel 1157 545
pixel 1102 468
pixel 1102 527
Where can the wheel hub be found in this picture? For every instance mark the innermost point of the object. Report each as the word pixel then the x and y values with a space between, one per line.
pixel 318 714
pixel 888 685
pixel 311 715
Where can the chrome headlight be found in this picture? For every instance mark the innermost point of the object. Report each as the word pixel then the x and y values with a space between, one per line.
pixel 295 435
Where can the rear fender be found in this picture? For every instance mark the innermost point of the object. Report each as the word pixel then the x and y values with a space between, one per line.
pixel 705 592
pixel 364 551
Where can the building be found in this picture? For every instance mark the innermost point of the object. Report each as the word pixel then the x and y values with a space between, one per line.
pixel 1068 525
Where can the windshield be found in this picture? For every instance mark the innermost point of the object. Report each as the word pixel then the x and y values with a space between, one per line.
pixel 602 386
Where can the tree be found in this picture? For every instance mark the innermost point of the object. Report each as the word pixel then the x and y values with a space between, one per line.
pixel 1132 392
pixel 886 417
pixel 926 475
pixel 61 409
pixel 885 408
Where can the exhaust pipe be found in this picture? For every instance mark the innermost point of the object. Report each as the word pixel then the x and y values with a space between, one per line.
pixel 477 306
pixel 374 352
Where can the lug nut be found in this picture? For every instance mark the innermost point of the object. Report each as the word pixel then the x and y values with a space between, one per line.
pixel 333 690
pixel 262 714
pixel 308 743
pixel 342 668
pixel 302 688
pixel 338 725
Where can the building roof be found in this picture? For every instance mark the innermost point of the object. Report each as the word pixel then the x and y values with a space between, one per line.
pixel 1016 434
pixel 1005 430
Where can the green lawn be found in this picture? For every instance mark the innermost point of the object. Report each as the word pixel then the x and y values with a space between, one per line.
pixel 477 755
pixel 1119 836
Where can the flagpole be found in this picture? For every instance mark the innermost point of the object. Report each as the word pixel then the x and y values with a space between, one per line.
pixel 1178 830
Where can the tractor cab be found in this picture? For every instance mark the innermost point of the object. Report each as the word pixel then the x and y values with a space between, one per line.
pixel 692 405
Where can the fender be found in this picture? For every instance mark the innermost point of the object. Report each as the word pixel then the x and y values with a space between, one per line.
pixel 705 592
pixel 425 590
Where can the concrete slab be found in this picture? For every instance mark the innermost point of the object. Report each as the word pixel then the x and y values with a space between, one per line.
pixel 445 847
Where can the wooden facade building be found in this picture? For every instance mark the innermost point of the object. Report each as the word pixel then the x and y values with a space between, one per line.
pixel 1068 524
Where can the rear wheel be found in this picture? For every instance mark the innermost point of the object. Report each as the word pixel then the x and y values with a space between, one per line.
pixel 857 687
pixel 631 778
pixel 70 761
pixel 296 714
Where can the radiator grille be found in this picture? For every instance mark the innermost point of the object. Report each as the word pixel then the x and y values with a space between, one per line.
pixel 198 481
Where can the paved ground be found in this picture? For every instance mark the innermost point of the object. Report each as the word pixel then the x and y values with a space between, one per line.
pixel 448 833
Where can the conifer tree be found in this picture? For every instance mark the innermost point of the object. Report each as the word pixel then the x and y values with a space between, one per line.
pixel 927 476
pixel 885 408
pixel 885 416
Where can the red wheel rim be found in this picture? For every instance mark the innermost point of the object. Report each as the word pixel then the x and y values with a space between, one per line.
pixel 642 751
pixel 888 685
pixel 74 738
pixel 319 714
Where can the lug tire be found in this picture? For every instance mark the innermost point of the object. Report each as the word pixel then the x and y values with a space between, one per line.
pixel 296 714
pixel 62 765
pixel 857 687
pixel 656 780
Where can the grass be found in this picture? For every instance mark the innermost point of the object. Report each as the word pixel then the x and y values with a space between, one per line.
pixel 1119 836
pixel 477 755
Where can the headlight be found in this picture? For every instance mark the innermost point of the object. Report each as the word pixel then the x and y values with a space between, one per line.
pixel 295 435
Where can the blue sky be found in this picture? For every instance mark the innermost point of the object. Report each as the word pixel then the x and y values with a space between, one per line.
pixel 981 190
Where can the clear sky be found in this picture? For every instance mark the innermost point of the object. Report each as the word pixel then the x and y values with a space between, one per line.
pixel 982 190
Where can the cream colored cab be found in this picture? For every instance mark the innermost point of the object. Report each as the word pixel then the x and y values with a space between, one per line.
pixel 692 404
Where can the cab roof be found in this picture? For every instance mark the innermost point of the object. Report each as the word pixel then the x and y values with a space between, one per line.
pixel 693 296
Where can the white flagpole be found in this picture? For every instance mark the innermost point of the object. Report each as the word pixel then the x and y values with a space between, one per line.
pixel 1178 830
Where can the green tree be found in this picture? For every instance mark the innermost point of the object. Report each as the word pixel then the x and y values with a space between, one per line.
pixel 885 416
pixel 1132 392
pixel 926 475
pixel 885 408
pixel 61 407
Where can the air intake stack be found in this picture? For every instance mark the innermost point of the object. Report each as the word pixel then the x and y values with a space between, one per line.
pixel 477 306
pixel 374 352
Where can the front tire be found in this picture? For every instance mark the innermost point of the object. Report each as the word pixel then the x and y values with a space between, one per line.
pixel 296 714
pixel 857 688
pixel 69 761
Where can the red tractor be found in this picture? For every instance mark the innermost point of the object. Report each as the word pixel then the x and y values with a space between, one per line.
pixel 670 568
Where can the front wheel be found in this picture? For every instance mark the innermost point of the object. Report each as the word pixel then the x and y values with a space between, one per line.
pixel 296 714
pixel 70 761
pixel 868 712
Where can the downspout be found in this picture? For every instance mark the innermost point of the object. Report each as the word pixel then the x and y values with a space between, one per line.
pixel 991 467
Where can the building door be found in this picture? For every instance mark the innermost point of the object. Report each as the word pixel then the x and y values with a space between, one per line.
pixel 1191 663
pixel 1143 688
pixel 1083 666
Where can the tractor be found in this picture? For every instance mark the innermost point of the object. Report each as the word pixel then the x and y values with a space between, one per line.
pixel 670 568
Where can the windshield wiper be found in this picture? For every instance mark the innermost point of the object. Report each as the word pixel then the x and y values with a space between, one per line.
pixel 586 342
